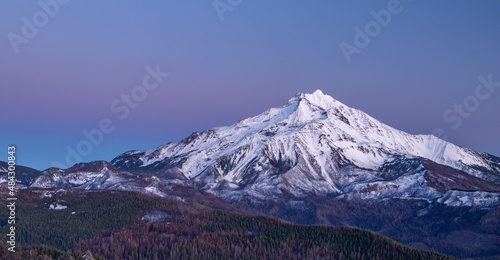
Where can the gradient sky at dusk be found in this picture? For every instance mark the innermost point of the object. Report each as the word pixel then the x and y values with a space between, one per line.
pixel 65 78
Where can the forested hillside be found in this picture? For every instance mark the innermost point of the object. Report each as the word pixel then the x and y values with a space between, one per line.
pixel 127 225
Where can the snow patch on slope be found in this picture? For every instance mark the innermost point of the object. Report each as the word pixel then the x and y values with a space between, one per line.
pixel 456 198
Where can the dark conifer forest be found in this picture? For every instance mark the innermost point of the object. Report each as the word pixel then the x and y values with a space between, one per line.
pixel 127 225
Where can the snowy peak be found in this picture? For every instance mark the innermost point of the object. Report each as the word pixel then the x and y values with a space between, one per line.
pixel 306 108
pixel 299 110
pixel 319 99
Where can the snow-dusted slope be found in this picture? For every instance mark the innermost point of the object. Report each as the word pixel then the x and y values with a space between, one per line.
pixel 94 175
pixel 24 175
pixel 313 144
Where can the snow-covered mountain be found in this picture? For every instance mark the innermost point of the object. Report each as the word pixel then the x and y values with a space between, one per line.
pixel 315 161
pixel 312 146
pixel 317 145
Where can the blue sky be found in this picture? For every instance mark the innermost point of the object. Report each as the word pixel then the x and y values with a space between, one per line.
pixel 85 55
